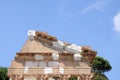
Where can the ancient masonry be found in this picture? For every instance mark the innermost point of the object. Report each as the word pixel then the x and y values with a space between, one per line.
pixel 44 57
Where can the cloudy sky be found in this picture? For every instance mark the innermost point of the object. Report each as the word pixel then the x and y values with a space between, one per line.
pixel 83 22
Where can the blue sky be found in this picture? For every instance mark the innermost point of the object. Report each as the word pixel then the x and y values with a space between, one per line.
pixel 84 22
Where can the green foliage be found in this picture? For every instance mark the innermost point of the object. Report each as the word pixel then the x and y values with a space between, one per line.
pixel 3 73
pixel 100 65
pixel 99 76
pixel 73 78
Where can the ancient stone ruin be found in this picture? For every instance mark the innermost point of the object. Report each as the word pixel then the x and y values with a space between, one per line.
pixel 44 57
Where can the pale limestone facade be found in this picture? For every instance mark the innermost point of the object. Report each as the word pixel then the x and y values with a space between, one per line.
pixel 43 57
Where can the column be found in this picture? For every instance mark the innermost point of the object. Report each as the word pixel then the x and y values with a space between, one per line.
pixel 45 77
pixel 83 77
pixel 64 77
pixel 60 77
pixel 10 78
pixel 86 77
pixel 16 77
pixel 39 77
pixel 91 76
pixel 68 76
pixel 42 77
pixel 78 77
pixel 20 77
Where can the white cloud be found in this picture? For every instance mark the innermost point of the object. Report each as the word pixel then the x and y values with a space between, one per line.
pixel 117 22
pixel 98 5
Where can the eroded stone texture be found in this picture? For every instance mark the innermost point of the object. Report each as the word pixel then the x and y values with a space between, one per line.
pixel 44 57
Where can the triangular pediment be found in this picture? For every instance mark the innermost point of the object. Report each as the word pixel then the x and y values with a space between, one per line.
pixel 41 42
pixel 45 54
pixel 37 46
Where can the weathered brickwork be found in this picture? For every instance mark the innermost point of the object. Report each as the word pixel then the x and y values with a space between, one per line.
pixel 44 57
